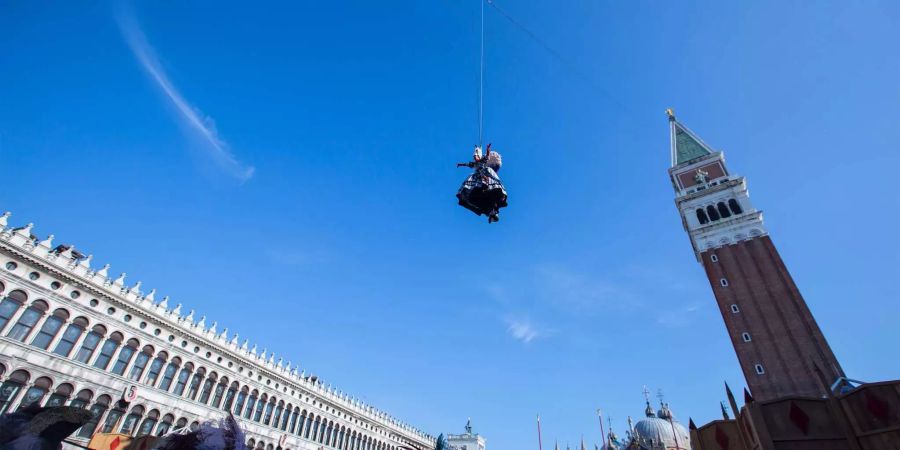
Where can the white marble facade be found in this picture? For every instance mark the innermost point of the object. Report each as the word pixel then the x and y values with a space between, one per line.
pixel 73 334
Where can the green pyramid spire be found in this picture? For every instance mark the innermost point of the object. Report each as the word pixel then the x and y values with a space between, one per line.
pixel 685 144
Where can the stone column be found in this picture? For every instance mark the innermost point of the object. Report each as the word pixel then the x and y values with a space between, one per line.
pixel 59 335
pixel 96 353
pixel 78 342
pixel 15 318
pixel 14 404
pixel 130 362
pixel 37 326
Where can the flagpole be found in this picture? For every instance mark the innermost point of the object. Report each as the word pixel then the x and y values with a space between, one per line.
pixel 540 444
pixel 602 431
pixel 674 434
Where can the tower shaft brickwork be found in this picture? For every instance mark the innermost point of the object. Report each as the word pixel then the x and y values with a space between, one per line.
pixel 778 343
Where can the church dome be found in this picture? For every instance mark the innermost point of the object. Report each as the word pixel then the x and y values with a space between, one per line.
pixel 662 427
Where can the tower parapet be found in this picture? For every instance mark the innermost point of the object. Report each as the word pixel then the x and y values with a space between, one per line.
pixel 714 204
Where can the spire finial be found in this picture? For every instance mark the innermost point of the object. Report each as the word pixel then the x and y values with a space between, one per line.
pixel 649 412
pixel 671 113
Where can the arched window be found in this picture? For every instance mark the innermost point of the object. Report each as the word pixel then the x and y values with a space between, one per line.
pixel 140 362
pixel 90 343
pixel 207 388
pixel 712 213
pixel 735 206
pixel 290 418
pixel 70 336
pixel 132 419
pixel 182 422
pixel 156 367
pixel 294 420
pixel 82 399
pixel 10 305
pixel 260 406
pixel 248 413
pixel 50 328
pixel 125 356
pixel 319 429
pixel 239 403
pixel 328 433
pixel 309 425
pixel 353 441
pixel 147 425
pixel 302 423
pixel 341 438
pixel 220 392
pixel 277 419
pixel 183 378
pixel 165 424
pixel 28 320
pixel 250 443
pixel 194 387
pixel 108 349
pixel 723 210
pixel 36 393
pixel 60 395
pixel 97 411
pixel 10 388
pixel 229 396
pixel 269 407
pixel 113 416
pixel 194 426
pixel 169 374
pixel 701 216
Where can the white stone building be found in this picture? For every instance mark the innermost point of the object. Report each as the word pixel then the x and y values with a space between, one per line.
pixel 70 334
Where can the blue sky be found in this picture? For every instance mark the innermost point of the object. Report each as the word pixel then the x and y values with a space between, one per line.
pixel 288 171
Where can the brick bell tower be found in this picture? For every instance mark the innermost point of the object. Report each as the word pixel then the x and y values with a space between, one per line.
pixel 779 345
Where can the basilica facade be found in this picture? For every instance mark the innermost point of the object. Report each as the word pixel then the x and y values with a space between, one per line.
pixel 71 334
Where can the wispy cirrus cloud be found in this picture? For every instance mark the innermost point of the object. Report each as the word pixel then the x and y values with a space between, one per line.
pixel 216 149
pixel 523 330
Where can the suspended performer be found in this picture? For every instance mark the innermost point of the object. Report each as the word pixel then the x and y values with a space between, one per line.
pixel 483 192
